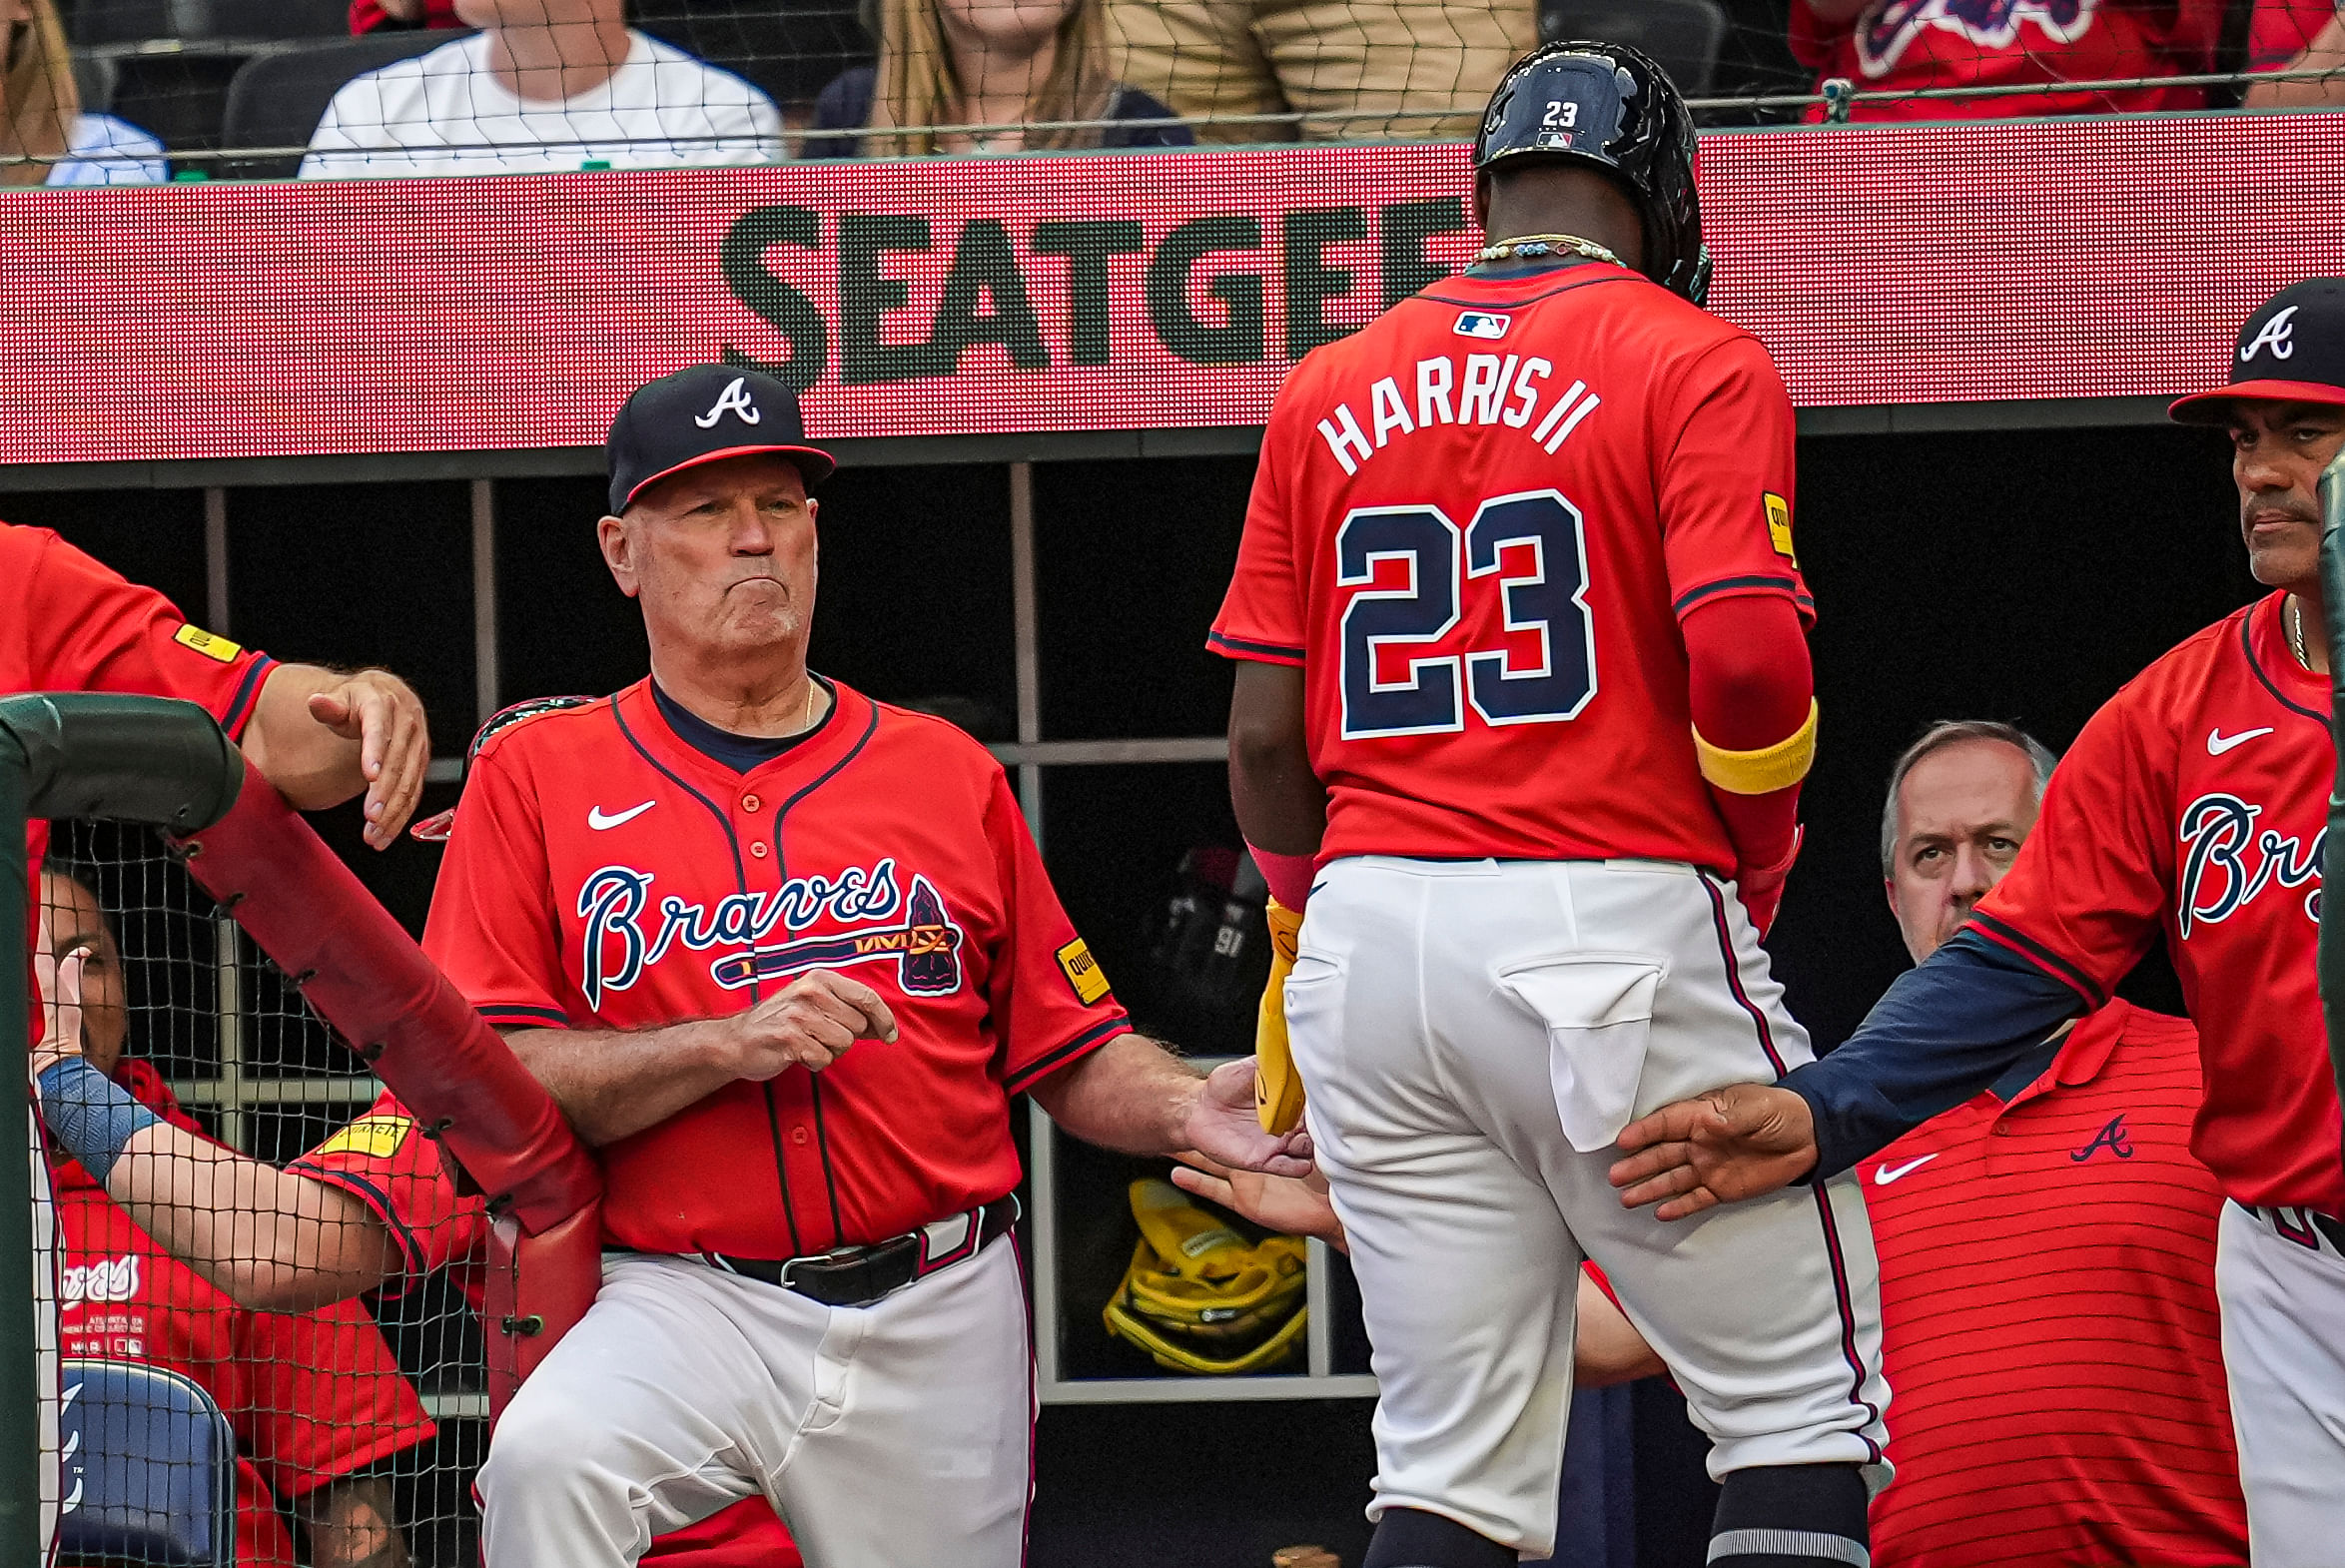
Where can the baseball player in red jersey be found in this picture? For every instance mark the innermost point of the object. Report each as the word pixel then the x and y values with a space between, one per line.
pixel 2194 802
pixel 320 736
pixel 314 1398
pixel 1524 675
pixel 684 903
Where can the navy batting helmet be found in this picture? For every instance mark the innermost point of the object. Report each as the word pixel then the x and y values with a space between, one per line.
pixel 1614 107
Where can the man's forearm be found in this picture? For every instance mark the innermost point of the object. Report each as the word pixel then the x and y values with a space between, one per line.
pixel 273 1240
pixel 614 1083
pixel 352 1524
pixel 1130 1095
pixel 310 766
pixel 1281 806
pixel 1944 1030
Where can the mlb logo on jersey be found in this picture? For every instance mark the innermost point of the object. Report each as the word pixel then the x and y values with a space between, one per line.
pixel 1482 324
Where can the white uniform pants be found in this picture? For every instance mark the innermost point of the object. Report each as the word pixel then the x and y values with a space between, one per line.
pixel 897 1433
pixel 2281 1285
pixel 1473 1037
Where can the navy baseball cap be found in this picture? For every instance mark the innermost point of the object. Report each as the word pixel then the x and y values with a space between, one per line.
pixel 702 414
pixel 2292 350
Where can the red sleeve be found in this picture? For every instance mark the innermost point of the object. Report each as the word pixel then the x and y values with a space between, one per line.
pixel 384 1161
pixel 90 629
pixel 326 1399
pixel 2088 890
pixel 1050 1002
pixel 1725 483
pixel 2281 30
pixel 1263 613
pixel 492 929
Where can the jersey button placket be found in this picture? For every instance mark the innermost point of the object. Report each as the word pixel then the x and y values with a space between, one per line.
pixel 757 849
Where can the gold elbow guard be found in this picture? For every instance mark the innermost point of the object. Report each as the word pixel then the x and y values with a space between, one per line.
pixel 1765 771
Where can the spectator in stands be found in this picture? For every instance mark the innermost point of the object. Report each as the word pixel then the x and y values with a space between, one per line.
pixel 545 84
pixel 316 1402
pixel 1001 64
pixel 45 139
pixel 369 16
pixel 1335 69
pixel 2297 35
pixel 2023 45
pixel 2047 1305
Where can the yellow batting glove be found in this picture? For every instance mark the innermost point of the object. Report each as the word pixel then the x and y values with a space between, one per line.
pixel 1277 1085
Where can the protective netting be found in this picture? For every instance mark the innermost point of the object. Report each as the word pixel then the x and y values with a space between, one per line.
pixel 346 1431
pixel 129 91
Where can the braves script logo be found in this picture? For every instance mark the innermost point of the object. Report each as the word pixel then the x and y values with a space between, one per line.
pixel 2113 1137
pixel 2228 863
pixel 1989 24
pixel 107 1279
pixel 625 936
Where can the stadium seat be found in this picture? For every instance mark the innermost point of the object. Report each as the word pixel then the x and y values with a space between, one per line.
pixel 1684 35
pixel 97 22
pixel 151 1476
pixel 278 99
pixel 95 78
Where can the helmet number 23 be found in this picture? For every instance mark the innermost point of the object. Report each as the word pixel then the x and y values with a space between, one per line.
pixel 1562 115
pixel 1535 547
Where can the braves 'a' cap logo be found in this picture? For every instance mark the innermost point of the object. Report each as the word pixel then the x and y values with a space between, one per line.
pixel 735 401
pixel 2279 334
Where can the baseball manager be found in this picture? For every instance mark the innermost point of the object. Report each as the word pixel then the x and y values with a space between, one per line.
pixel 783 954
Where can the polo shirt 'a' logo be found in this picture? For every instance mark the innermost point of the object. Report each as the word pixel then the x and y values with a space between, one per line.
pixel 2111 1137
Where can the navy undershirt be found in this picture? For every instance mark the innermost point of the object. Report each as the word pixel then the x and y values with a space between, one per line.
pixel 742 753
pixel 1972 1016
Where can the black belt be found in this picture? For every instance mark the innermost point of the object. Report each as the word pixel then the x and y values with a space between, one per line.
pixel 2334 1230
pixel 860 1275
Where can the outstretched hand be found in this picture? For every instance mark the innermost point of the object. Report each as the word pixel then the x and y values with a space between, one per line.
pixel 1742 1140
pixel 1289 1205
pixel 1221 1126
pixel 386 717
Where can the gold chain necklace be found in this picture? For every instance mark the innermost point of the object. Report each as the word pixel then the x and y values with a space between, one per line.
pixel 1531 246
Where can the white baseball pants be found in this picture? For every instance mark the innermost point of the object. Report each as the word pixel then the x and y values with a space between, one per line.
pixel 2281 1285
pixel 1473 1037
pixel 890 1434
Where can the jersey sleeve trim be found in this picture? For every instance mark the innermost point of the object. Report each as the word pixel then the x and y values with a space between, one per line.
pixel 515 1015
pixel 2019 942
pixel 1728 587
pixel 411 1250
pixel 1081 1045
pixel 247 698
pixel 1244 648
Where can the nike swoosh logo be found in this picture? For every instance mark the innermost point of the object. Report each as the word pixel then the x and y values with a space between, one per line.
pixel 1888 1174
pixel 599 819
pixel 2217 742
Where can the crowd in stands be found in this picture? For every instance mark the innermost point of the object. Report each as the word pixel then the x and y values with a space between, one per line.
pixel 538 85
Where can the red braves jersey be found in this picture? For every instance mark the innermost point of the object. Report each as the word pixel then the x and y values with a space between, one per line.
pixel 387 1163
pixel 2281 30
pixel 312 1396
pixel 1474 526
pixel 2197 800
pixel 2048 1320
pixel 603 872
pixel 1908 45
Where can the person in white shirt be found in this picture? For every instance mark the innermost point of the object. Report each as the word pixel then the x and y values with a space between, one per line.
pixel 545 84
pixel 45 139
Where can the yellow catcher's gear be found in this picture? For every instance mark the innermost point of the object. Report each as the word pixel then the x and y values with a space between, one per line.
pixel 1197 1298
pixel 1765 771
pixel 1277 1085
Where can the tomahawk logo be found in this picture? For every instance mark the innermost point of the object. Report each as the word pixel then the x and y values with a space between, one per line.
pixel 1987 24
pixel 734 400
pixel 2279 334
pixel 925 947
